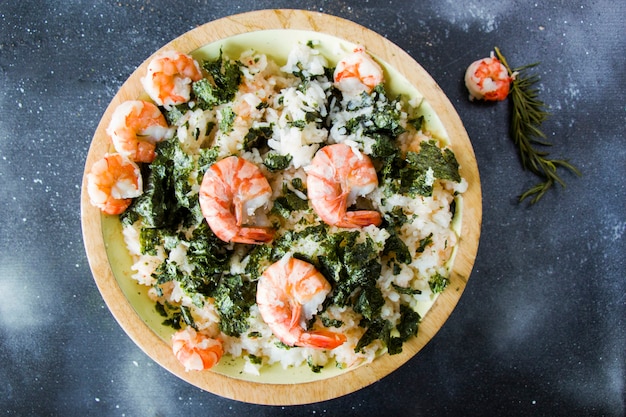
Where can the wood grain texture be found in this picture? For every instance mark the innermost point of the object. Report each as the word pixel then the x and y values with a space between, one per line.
pixel 287 394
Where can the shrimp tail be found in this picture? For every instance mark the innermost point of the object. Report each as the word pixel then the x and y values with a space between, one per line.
pixel 361 218
pixel 321 339
pixel 253 235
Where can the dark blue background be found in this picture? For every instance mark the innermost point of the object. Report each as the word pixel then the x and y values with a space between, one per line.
pixel 540 329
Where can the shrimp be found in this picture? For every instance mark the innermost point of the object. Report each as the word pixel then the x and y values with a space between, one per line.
pixel 357 73
pixel 232 190
pixel 335 177
pixel 289 293
pixel 169 77
pixel 113 182
pixel 488 79
pixel 135 128
pixel 195 351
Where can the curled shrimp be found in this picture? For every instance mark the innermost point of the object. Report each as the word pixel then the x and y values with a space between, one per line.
pixel 232 190
pixel 336 176
pixel 135 128
pixel 487 79
pixel 169 77
pixel 289 293
pixel 113 182
pixel 195 351
pixel 357 72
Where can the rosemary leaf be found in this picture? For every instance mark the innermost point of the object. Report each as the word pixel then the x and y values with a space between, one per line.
pixel 528 113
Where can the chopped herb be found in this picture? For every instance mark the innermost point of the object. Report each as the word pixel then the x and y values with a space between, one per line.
pixel 257 137
pixel 405 290
pixel 276 162
pixel 379 329
pixel 328 322
pixel 149 239
pixel 233 297
pixel 172 314
pixel 226 77
pixel 289 201
pixel 257 259
pixel 255 360
pixel 176 112
pixel 424 242
pixel 415 174
pixel 186 316
pixel 383 119
pixel 438 283
pixel 208 96
pixel 409 323
pixel 396 246
pixel 407 328
pixel 298 124
pixel 167 271
pixel 417 122
pixel 384 146
pixel 442 162
pixel 207 158
pixel 228 118
pixel 281 345
pixel 314 367
pixel 208 256
pixel 167 200
pixel 370 302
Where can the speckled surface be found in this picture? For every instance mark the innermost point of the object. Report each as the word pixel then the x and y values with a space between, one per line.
pixel 540 330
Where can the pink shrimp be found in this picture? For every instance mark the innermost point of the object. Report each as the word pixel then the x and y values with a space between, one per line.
pixel 488 79
pixel 335 177
pixel 169 77
pixel 357 73
pixel 113 182
pixel 232 190
pixel 135 128
pixel 289 293
pixel 195 351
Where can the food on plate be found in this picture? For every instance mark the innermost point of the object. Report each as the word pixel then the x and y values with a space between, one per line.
pixel 196 351
pixel 289 293
pixel 488 79
pixel 336 176
pixel 169 77
pixel 232 190
pixel 298 214
pixel 113 182
pixel 135 128
pixel 357 72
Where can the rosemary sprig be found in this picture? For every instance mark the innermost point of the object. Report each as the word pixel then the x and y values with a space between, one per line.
pixel 528 114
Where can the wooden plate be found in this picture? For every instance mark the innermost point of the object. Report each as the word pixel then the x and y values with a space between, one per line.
pixel 109 261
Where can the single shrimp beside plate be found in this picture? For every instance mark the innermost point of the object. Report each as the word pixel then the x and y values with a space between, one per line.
pixel 336 176
pixel 488 79
pixel 231 191
pixel 113 182
pixel 289 293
